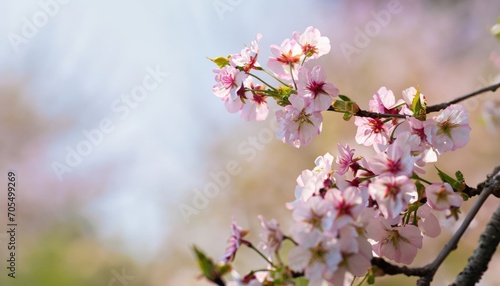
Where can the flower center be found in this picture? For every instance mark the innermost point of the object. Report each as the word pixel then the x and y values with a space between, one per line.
pixel 376 124
pixel 316 88
pixel 309 50
pixel 288 59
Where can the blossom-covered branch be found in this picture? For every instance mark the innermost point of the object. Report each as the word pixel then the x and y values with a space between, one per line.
pixel 486 188
pixel 350 212
pixel 429 109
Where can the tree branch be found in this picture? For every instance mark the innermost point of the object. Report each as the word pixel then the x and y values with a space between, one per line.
pixel 490 186
pixel 443 105
pixel 478 262
pixel 391 269
pixel 364 113
pixel 491 182
pixel 429 109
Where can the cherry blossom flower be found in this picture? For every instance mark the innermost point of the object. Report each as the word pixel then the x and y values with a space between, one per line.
pixel 393 194
pixel 312 43
pixel 256 279
pixel 308 184
pixel 356 254
pixel 345 160
pixel 428 222
pixel 323 165
pixel 397 243
pixel 316 254
pixel 228 81
pixel 234 104
pixel 298 124
pixel 440 196
pixel 271 235
pixel 347 205
pixel 315 213
pixel 417 127
pixel 396 161
pixel 371 131
pixel 247 59
pixel 254 103
pixel 409 95
pixel 450 130
pixel 286 61
pixel 384 102
pixel 312 84
pixel 235 240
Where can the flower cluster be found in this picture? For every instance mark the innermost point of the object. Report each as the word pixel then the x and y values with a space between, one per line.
pixel 304 92
pixel 377 204
pixel 348 208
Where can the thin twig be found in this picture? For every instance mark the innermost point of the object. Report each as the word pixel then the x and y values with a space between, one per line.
pixel 364 113
pixel 440 106
pixel 429 109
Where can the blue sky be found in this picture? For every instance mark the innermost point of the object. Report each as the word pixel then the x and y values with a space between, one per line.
pixel 89 54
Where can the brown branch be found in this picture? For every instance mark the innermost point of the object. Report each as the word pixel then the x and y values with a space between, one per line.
pixel 426 273
pixel 364 113
pixel 391 269
pixel 443 105
pixel 429 109
pixel 478 262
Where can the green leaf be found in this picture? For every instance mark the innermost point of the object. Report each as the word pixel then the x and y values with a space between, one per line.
pixel 460 176
pixel 344 98
pixel 420 190
pixel 445 177
pixel 220 61
pixel 417 107
pixel 301 281
pixel 464 196
pixel 339 105
pixel 351 107
pixel 458 184
pixel 206 264
pixel 347 116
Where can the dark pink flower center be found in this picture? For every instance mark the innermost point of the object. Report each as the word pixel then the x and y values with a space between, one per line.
pixel 376 125
pixel 251 64
pixel 316 88
pixel 259 98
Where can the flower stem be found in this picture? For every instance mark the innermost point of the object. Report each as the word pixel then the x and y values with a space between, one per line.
pixel 277 79
pixel 261 80
pixel 250 245
pixel 417 177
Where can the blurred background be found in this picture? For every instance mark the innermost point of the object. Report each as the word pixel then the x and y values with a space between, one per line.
pixel 109 184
